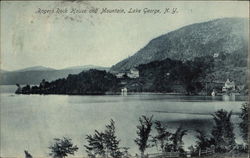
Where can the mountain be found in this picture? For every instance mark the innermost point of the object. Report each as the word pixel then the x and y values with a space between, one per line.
pixel 86 67
pixel 35 68
pixel 78 69
pixel 225 37
pixel 34 75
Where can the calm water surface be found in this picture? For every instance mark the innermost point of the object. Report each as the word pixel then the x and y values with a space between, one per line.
pixel 30 122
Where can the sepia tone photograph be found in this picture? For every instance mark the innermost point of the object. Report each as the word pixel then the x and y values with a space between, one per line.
pixel 124 79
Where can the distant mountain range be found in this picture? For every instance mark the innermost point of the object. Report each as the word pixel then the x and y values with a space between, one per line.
pixel 34 75
pixel 227 36
pixel 35 68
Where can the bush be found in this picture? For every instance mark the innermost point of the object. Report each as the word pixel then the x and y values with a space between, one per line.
pixel 222 132
pixel 244 122
pixel 62 148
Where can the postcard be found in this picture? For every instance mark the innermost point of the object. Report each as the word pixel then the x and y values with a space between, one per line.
pixel 124 79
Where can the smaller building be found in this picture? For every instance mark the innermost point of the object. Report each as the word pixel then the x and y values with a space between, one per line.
pixel 216 55
pixel 228 86
pixel 133 73
pixel 120 75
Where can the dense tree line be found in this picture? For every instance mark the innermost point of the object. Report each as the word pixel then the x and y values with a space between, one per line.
pixel 163 76
pixel 86 82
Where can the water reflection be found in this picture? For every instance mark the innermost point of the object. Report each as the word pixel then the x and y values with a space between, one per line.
pixel 230 97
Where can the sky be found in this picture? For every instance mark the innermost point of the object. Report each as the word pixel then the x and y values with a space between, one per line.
pixel 59 40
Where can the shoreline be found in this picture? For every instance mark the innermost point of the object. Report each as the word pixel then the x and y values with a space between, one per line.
pixel 202 94
pixel 136 93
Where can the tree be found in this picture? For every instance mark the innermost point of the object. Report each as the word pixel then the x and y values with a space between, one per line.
pixel 26 89
pixel 112 144
pixel 222 132
pixel 143 133
pixel 202 141
pixel 62 148
pixel 126 153
pixel 105 143
pixel 169 142
pixel 177 143
pixel 162 137
pixel 96 145
pixel 27 154
pixel 244 122
pixel 192 151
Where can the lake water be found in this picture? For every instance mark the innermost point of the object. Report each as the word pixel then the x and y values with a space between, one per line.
pixel 30 122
